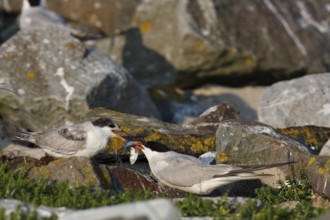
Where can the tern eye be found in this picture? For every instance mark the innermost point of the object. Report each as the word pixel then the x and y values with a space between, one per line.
pixel 112 125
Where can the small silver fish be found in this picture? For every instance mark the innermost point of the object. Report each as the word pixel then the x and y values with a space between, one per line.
pixel 134 153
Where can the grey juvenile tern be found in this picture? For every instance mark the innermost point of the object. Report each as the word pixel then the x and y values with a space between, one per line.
pixel 191 175
pixel 80 140
pixel 38 17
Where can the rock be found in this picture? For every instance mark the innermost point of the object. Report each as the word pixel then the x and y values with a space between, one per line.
pixel 193 42
pixel 208 158
pixel 249 142
pixel 78 171
pixel 50 78
pixel 13 6
pixel 210 119
pixel 246 98
pixel 109 16
pixel 124 179
pixel 83 171
pixel 298 102
pixel 325 151
pixel 318 172
pixel 152 131
pixel 11 205
pixel 197 39
pixel 13 150
pixel 175 105
pixel 313 136
pixel 243 142
pixel 149 210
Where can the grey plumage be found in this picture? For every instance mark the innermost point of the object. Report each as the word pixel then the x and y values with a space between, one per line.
pixel 85 139
pixel 192 175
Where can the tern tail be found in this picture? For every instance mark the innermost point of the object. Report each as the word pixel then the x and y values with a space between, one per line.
pixel 25 136
pixel 247 169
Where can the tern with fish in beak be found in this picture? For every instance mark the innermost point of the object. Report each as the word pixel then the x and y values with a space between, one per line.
pixel 191 175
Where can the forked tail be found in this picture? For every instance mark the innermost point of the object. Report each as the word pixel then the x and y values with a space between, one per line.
pixel 24 136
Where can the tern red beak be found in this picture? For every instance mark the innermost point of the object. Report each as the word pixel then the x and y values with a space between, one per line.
pixel 136 144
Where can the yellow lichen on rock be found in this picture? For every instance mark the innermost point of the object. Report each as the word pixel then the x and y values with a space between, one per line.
pixel 116 144
pixel 311 161
pixel 198 145
pixel 87 170
pixel 248 61
pixel 321 171
pixel 91 181
pixel 153 136
pixel 31 74
pixel 145 27
pixel 45 172
pixel 221 157
pixel 56 161
pixel 198 45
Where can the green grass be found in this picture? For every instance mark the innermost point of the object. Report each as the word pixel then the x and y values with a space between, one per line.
pixel 196 206
pixel 288 190
pixel 15 185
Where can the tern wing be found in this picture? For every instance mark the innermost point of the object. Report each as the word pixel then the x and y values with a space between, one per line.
pixel 66 140
pixel 73 133
pixel 184 170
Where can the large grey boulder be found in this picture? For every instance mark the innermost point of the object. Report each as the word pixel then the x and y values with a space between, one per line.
pixel 225 41
pixel 298 102
pixel 48 78
pixel 190 42
pixel 250 142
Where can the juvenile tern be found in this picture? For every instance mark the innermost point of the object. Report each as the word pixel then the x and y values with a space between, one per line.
pixel 190 174
pixel 38 17
pixel 80 140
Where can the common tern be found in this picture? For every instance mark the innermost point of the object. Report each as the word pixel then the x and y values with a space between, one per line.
pixel 80 140
pixel 191 175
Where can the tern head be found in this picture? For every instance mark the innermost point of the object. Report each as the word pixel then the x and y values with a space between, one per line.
pixel 109 126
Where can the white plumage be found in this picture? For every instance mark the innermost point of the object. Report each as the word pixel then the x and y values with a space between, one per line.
pixel 190 174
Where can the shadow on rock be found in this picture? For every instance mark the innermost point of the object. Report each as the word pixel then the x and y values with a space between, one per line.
pixel 146 65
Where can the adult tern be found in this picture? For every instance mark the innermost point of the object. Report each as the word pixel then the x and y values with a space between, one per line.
pixel 191 175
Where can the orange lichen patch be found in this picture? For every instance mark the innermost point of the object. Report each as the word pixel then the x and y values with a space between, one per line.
pixel 198 45
pixel 311 161
pixel 145 27
pixel 87 170
pixel 31 74
pixel 221 157
pixel 249 61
